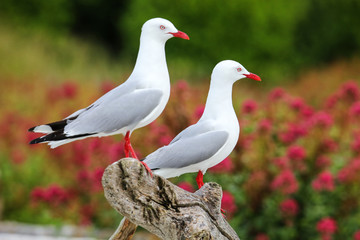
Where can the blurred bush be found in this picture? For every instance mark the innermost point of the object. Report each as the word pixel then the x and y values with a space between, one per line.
pixel 279 36
pixel 294 173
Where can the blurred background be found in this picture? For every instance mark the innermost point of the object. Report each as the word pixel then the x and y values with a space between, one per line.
pixel 295 173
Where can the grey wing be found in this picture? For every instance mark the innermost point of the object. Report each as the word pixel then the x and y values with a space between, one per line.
pixel 187 151
pixel 116 113
pixel 198 128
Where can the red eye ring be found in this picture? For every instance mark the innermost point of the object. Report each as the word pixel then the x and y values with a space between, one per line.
pixel 162 27
pixel 239 69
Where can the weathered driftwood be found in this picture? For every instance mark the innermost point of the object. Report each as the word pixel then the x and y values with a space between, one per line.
pixel 163 208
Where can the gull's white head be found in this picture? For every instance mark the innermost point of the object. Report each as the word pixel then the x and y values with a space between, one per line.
pixel 161 29
pixel 233 71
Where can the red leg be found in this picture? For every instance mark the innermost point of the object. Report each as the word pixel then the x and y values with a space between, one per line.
pixel 126 144
pixel 199 179
pixel 128 148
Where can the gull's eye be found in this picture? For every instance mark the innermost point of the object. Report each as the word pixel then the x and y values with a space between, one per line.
pixel 162 27
pixel 239 69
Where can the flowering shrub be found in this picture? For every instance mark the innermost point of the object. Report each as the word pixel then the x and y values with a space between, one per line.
pixel 294 173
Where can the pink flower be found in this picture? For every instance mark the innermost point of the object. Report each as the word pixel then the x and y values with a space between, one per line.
pixel 326 227
pixel 277 94
pixel 323 182
pixel 328 145
pixel 331 101
pixel 186 186
pixel 96 178
pixel 69 89
pixel 322 119
pixel 281 162
pixel 307 111
pixel 116 151
pixel 285 182
pixel 293 132
pixel 199 110
pixel 37 194
pixel 249 106
pixel 355 110
pixel 106 86
pixel 322 161
pixel 264 125
pixel 289 207
pixel 87 211
pixel 357 235
pixel 297 104
pixel 350 91
pixel 350 173
pixel 355 145
pixel 54 195
pixel 228 203
pixel 296 153
pixel 262 236
pixel 226 166
pixel 165 140
pixel 182 85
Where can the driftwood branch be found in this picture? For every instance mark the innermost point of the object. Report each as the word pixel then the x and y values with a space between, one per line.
pixel 163 208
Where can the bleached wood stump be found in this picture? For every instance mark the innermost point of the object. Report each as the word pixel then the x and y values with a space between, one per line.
pixel 161 207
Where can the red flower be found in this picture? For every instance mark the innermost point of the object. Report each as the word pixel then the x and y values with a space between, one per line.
pixel 297 104
pixel 289 207
pixel 281 162
pixel 264 125
pixel 331 101
pixel 322 161
pixel 326 227
pixel 182 85
pixel 37 194
pixel 228 203
pixel 165 140
pixel 307 111
pixel 276 94
pixel 357 235
pixel 225 166
pixel 249 106
pixel 262 236
pixel 285 182
pixel 350 173
pixel 199 110
pixel 328 145
pixel 355 110
pixel 186 186
pixel 355 145
pixel 322 119
pixel 296 153
pixel 350 91
pixel 294 131
pixel 97 176
pixel 323 182
pixel 69 89
pixel 106 86
pixel 115 151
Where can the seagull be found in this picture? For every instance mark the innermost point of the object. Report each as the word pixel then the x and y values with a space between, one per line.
pixel 212 138
pixel 133 104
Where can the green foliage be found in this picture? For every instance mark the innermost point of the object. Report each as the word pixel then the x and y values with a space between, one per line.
pixel 277 36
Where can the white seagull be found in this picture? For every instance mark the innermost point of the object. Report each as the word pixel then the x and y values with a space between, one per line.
pixel 133 104
pixel 212 138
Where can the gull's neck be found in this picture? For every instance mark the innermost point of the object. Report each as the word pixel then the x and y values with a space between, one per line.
pixel 151 59
pixel 219 101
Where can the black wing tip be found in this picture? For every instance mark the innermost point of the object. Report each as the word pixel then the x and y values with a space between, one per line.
pixel 31 129
pixel 36 141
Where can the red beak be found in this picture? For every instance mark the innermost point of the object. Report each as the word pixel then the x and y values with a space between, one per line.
pixel 253 76
pixel 180 34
